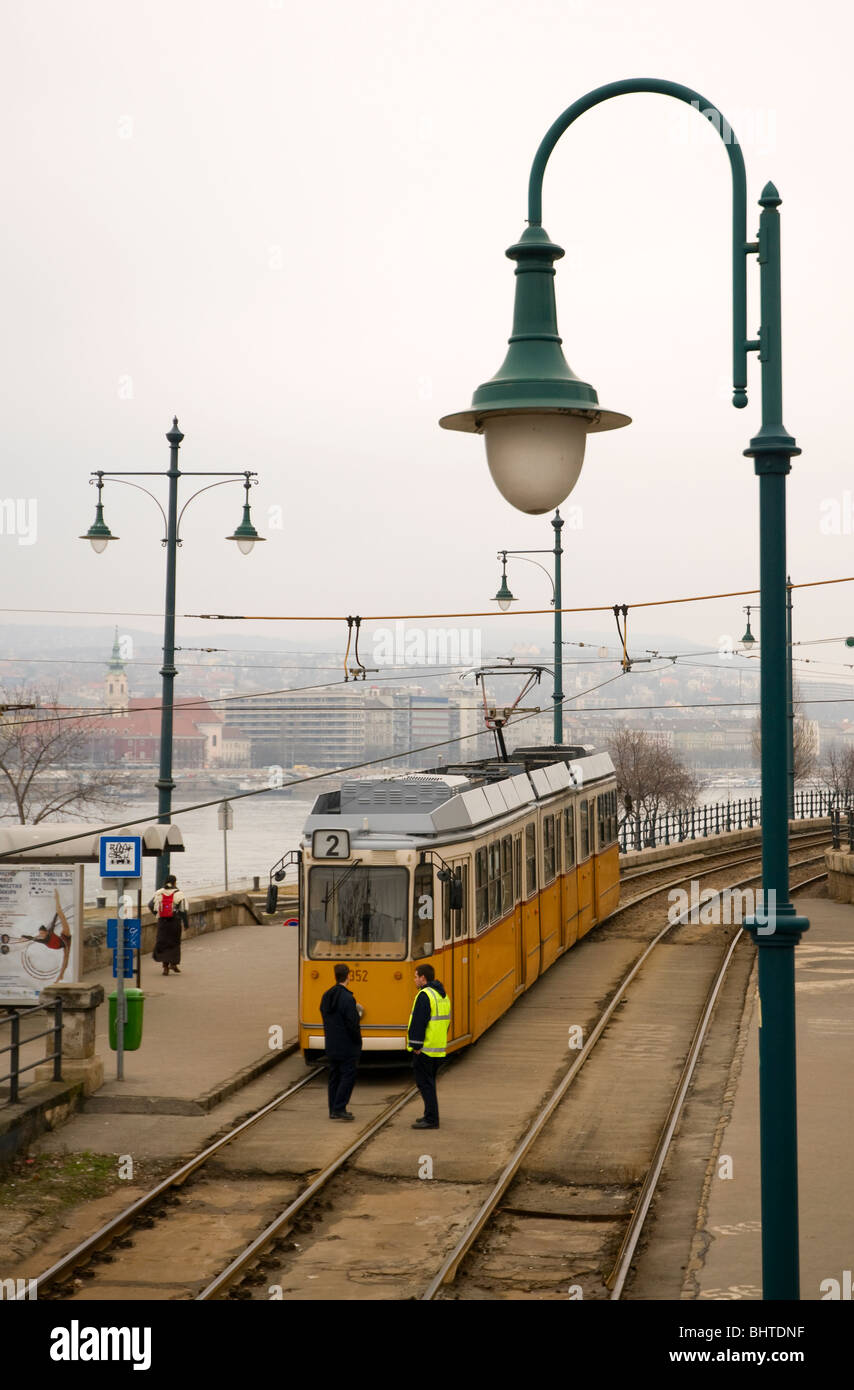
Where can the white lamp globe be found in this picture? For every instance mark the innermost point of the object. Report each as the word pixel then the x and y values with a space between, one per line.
pixel 535 459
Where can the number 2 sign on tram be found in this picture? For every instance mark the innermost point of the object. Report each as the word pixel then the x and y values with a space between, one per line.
pixel 330 844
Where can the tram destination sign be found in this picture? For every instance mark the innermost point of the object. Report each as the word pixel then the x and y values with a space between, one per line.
pixel 330 844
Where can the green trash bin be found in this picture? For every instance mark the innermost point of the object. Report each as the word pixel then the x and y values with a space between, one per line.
pixel 133 1023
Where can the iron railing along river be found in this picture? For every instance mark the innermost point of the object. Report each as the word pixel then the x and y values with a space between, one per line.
pixel 693 823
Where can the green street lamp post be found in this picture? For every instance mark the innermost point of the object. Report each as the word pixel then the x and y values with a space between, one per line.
pixel 504 598
pixel 99 535
pixel 535 414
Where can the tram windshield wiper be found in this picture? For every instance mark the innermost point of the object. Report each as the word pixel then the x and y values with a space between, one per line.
pixel 339 883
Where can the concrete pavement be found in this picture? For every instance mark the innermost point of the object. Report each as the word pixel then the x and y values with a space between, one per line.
pixel 727 1252
pixel 207 1030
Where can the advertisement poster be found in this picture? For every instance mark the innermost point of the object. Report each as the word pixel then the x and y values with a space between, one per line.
pixel 41 912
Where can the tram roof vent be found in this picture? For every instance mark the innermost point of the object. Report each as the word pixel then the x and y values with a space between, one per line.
pixel 399 793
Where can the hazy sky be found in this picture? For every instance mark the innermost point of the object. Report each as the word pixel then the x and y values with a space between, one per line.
pixel 287 223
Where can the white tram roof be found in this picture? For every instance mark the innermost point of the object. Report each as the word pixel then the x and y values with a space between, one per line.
pixel 466 795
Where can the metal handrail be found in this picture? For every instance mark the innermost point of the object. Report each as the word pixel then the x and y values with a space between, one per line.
pixel 14 1047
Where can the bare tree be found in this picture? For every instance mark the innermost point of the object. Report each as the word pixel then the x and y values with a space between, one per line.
pixel 836 773
pixel 804 742
pixel 651 779
pixel 41 749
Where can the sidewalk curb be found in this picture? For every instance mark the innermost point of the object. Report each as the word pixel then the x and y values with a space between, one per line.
pixel 174 1105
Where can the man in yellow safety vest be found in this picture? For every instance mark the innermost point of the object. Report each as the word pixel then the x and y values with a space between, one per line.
pixel 427 1038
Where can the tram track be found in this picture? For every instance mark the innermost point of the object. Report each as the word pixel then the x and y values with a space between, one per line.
pixel 256 1263
pixel 702 860
pixel 639 1201
pixel 452 1263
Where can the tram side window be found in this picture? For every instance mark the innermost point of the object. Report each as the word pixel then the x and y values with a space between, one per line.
pixel 423 912
pixel 517 861
pixel 558 841
pixel 494 856
pixel 461 924
pixel 506 874
pixel 530 860
pixel 600 819
pixel 584 829
pixel 569 837
pixel 446 912
pixel 481 890
pixel 548 849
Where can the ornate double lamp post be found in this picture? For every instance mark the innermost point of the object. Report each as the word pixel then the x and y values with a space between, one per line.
pixel 504 598
pixel 100 535
pixel 535 414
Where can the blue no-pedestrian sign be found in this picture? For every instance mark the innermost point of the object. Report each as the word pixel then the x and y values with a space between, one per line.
pixel 132 933
pixel 127 973
pixel 121 856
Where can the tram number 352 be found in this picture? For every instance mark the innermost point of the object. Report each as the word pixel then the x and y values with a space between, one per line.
pixel 330 844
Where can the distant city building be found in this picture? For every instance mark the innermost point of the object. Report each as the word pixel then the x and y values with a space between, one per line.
pixel 131 736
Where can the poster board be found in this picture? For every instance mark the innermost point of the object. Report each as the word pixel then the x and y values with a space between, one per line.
pixel 41 922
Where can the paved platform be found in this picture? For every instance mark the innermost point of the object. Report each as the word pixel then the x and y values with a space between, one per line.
pixel 207 1030
pixel 730 1264
pixel 207 1033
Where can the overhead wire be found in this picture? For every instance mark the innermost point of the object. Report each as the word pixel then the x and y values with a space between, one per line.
pixel 297 782
pixel 418 617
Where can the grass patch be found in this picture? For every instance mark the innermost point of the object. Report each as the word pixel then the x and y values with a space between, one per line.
pixel 63 1178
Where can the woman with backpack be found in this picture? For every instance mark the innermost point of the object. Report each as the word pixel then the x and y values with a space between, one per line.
pixel 170 908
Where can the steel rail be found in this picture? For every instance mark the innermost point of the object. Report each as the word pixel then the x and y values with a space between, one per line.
pixel 107 1233
pixel 703 873
pixel 617 1278
pixel 454 1259
pixel 276 1227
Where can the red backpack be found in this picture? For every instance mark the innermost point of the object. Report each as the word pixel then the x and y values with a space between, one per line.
pixel 166 901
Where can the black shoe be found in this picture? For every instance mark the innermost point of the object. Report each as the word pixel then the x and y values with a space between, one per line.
pixel 342 1115
pixel 425 1124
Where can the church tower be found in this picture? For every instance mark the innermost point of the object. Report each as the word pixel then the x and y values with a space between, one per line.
pixel 117 684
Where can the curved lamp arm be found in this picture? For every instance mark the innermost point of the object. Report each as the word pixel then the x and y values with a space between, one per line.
pixel 242 478
pixel 517 555
pixel 113 479
pixel 740 246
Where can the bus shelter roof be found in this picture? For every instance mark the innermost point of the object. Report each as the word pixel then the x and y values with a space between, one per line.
pixel 77 844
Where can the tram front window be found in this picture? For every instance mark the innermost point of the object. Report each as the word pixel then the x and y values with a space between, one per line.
pixel 357 912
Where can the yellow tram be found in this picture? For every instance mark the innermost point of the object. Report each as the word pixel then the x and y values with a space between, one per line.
pixel 488 870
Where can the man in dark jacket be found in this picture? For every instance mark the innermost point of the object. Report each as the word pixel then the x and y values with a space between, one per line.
pixel 343 1042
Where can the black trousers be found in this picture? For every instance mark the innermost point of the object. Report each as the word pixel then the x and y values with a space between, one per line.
pixel 342 1079
pixel 425 1069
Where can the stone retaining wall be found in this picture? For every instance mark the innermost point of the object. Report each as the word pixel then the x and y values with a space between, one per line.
pixel 708 844
pixel 840 875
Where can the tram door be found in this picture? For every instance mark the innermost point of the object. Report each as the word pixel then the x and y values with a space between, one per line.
pixel 455 931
